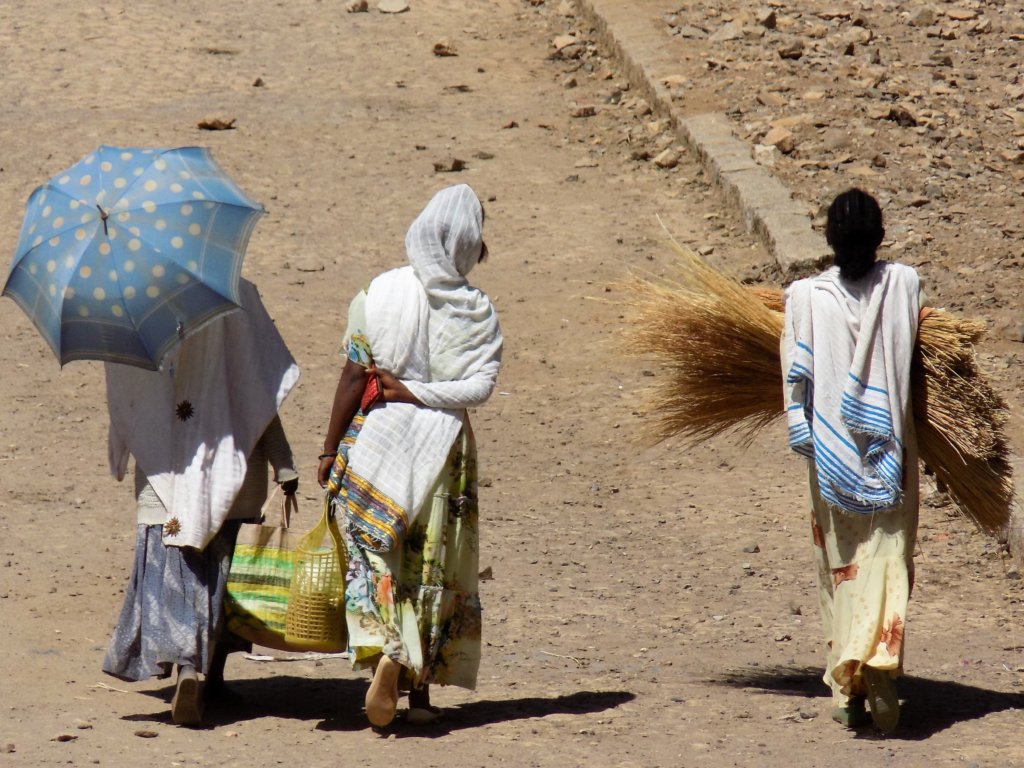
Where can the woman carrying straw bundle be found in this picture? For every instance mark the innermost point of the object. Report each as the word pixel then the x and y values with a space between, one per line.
pixel 846 352
pixel 404 468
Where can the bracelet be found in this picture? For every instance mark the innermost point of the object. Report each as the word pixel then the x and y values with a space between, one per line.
pixel 323 456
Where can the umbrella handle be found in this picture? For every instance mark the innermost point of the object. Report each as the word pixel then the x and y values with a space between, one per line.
pixel 103 218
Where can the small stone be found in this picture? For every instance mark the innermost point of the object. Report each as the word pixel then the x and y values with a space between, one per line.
pixel 258 83
pixel 770 99
pixel 767 18
pixel 583 110
pixel 668 158
pixel 707 250
pixel 487 574
pixel 216 124
pixel 795 609
pixel 567 9
pixel 793 50
pixel 765 155
pixel 961 14
pixel 449 165
pixel 923 16
pixel 392 6
pixel 835 139
pixel 691 33
pixel 726 32
pixel 8 747
pixel 751 549
pixel 143 734
pixel 357 6
pixel 570 82
pixel 82 725
pixel 444 48
pixel 64 737
pixel 781 138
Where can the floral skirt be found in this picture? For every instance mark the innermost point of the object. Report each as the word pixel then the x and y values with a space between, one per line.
pixel 418 604
pixel 865 574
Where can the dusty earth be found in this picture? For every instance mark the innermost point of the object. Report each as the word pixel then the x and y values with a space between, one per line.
pixel 650 606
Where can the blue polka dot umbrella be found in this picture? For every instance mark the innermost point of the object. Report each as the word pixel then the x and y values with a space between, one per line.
pixel 130 250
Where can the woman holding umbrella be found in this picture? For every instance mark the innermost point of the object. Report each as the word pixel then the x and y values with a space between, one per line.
pixel 202 431
pixel 847 346
pixel 403 464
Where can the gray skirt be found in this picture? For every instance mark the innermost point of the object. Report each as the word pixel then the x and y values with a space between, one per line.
pixel 173 610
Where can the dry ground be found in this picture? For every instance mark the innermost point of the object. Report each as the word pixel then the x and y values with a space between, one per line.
pixel 649 606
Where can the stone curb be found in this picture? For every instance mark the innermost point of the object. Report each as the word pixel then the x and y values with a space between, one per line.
pixel 764 203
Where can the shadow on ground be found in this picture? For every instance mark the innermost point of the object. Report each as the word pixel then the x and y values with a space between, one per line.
pixel 338 705
pixel 928 706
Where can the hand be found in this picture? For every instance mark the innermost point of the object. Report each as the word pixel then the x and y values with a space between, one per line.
pixel 289 487
pixel 323 472
pixel 393 388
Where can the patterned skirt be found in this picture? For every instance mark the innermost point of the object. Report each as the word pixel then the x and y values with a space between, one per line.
pixel 419 604
pixel 173 610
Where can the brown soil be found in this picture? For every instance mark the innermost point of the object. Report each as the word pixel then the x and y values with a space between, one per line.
pixel 650 606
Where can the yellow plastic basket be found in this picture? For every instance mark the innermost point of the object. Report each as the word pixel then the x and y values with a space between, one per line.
pixel 315 619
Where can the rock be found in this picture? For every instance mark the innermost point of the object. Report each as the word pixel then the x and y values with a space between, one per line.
pixel 726 32
pixel 668 158
pixel 392 6
pixel 691 33
pixel 923 16
pixel 752 549
pixel 487 574
pixel 357 6
pixel 795 609
pixel 567 9
pixel 835 139
pixel 961 14
pixel 570 82
pixel 707 250
pixel 258 83
pixel 449 165
pixel 8 747
pixel 770 99
pixel 64 737
pixel 781 138
pixel 483 155
pixel 144 734
pixel 82 725
pixel 586 162
pixel 765 155
pixel 564 41
pixel 582 110
pixel 903 115
pixel 767 18
pixel 793 50
pixel 444 48
pixel 216 124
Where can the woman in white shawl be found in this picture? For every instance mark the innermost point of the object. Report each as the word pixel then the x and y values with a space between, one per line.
pixel 403 468
pixel 202 431
pixel 847 347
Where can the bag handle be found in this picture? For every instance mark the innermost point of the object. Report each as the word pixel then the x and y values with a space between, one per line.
pixel 289 505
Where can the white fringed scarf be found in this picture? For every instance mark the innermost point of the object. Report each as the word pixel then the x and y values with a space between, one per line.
pixel 847 354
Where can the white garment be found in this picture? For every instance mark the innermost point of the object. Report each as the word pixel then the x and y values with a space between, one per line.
pixel 191 425
pixel 847 350
pixel 440 337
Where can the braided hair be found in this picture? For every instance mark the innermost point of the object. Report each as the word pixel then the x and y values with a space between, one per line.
pixel 854 231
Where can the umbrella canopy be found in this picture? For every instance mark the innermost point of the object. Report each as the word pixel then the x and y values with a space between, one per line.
pixel 130 250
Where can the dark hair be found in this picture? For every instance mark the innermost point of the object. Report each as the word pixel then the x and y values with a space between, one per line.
pixel 854 231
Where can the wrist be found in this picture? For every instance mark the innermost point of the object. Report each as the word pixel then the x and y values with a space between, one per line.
pixel 327 455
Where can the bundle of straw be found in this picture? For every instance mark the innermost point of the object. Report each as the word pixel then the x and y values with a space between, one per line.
pixel 718 342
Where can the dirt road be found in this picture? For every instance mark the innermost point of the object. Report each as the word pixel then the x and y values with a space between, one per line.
pixel 648 607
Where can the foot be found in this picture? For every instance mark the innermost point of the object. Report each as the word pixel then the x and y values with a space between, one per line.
pixel 882 698
pixel 420 712
pixel 217 692
pixel 853 714
pixel 187 704
pixel 382 696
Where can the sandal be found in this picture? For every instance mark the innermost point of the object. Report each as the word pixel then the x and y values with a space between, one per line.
pixel 882 698
pixel 382 696
pixel 187 704
pixel 853 715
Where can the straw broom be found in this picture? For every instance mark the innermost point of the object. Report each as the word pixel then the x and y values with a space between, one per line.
pixel 718 343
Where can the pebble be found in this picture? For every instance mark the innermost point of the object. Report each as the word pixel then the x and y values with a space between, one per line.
pixel 392 6
pixel 668 158
pixel 357 6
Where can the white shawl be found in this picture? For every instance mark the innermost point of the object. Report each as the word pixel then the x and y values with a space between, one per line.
pixel 192 424
pixel 847 353
pixel 440 336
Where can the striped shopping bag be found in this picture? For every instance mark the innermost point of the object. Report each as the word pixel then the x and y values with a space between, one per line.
pixel 256 598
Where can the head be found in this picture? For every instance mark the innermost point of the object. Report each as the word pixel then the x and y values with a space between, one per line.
pixel 448 234
pixel 854 231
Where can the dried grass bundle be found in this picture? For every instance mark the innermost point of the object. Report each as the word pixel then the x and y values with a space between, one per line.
pixel 719 344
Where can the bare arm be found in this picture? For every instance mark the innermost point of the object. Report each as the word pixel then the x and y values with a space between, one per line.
pixel 346 403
